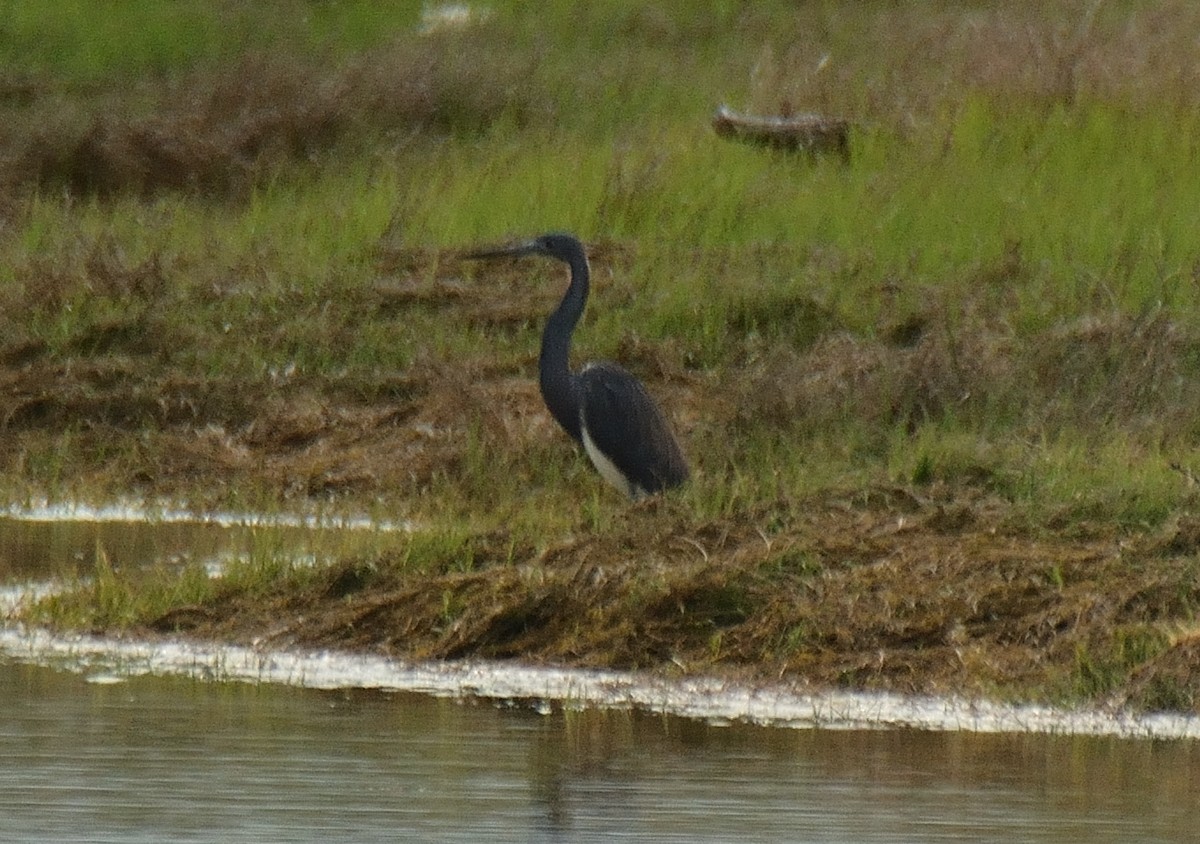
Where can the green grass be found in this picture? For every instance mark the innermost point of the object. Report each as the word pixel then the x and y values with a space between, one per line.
pixel 1101 230
pixel 114 595
pixel 1012 203
pixel 1097 674
pixel 108 596
pixel 78 42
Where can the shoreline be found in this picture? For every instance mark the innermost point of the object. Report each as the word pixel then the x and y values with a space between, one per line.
pixel 110 660
pixel 870 596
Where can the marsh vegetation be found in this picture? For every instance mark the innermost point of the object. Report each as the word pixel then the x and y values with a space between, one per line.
pixel 942 397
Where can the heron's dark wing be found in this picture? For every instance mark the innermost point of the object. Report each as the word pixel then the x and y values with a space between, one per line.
pixel 626 425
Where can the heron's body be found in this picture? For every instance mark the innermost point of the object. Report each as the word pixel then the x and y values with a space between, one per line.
pixel 602 406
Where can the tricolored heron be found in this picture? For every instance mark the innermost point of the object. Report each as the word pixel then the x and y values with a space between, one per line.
pixel 602 406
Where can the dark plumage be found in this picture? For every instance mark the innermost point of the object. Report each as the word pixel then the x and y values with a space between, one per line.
pixel 602 406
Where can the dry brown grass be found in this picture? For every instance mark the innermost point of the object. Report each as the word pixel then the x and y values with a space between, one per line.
pixel 883 591
pixel 1056 54
pixel 218 131
pixel 1100 372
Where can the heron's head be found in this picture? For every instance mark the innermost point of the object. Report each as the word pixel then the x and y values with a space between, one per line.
pixel 559 245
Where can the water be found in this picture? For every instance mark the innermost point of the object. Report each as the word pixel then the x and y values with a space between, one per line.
pixel 171 759
pixel 56 541
pixel 41 548
pixel 98 751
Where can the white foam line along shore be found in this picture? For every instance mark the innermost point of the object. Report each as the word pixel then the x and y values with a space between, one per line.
pixel 109 660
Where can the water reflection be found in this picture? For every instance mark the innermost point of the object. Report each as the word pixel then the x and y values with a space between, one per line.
pixel 40 546
pixel 44 549
pixel 679 780
pixel 158 759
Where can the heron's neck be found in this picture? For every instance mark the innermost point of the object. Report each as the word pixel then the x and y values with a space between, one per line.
pixel 559 387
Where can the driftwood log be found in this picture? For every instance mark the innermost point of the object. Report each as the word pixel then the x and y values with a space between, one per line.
pixel 813 133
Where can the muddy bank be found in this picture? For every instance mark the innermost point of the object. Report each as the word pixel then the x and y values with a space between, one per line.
pixel 879 590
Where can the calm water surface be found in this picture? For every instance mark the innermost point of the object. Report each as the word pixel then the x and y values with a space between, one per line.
pixel 168 759
pixel 153 759
pixel 47 546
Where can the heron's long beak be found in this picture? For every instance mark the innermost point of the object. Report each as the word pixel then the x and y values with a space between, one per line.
pixel 513 250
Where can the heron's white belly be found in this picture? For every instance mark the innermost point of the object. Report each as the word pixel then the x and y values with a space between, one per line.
pixel 607 468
